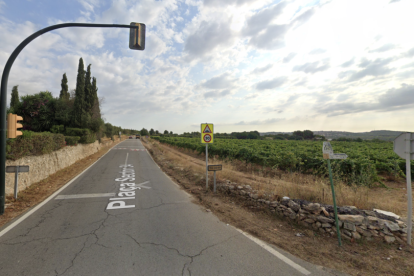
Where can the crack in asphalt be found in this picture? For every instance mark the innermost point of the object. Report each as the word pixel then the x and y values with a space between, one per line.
pixel 192 257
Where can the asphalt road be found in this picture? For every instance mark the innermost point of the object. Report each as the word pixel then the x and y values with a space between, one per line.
pixel 124 216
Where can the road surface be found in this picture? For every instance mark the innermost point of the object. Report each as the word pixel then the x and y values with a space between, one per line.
pixel 124 216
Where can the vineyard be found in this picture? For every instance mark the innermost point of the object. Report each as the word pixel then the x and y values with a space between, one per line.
pixel 366 160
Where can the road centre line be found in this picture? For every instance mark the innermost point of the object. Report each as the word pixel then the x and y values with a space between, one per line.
pixel 84 196
pixel 276 253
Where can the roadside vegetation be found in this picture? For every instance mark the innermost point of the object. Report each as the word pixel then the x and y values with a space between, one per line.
pixel 50 123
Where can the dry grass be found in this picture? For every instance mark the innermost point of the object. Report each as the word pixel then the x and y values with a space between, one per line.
pixel 293 185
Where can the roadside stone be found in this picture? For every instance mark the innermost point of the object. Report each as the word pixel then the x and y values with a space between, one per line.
pixel 356 235
pixel 254 196
pixel 325 219
pixel 322 230
pixel 285 201
pixel 349 226
pixel 401 223
pixel 308 220
pixel 292 216
pixel 301 211
pixel 313 207
pixel 325 212
pixel 294 206
pixel 248 187
pixel 243 193
pixel 231 187
pixel 274 203
pixel 389 239
pixel 392 226
pixel 318 224
pixel 240 187
pixel 315 227
pixel 326 225
pixel 267 202
pixel 346 232
pixel 356 219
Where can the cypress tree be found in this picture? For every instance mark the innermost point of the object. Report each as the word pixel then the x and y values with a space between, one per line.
pixel 14 101
pixel 79 111
pixel 96 110
pixel 88 91
pixel 64 93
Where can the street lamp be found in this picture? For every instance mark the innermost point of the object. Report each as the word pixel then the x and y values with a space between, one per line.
pixel 136 42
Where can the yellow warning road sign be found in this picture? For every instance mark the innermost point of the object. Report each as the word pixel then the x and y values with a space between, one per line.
pixel 207 131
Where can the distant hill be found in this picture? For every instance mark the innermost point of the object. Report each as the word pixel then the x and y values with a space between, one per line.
pixel 387 135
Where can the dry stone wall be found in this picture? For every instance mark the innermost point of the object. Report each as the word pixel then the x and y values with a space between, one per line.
pixel 353 223
pixel 44 165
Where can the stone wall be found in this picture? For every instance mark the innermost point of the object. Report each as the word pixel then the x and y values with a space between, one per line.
pixel 354 223
pixel 44 165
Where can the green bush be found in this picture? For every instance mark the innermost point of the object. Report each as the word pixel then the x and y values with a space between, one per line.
pixel 72 140
pixel 86 136
pixel 32 143
pixel 57 129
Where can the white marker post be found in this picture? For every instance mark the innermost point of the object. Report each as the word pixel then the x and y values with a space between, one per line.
pixel 403 146
pixel 329 154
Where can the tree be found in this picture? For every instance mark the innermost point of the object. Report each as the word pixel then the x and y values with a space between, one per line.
pixel 307 134
pixel 96 109
pixel 14 101
pixel 89 97
pixel 151 132
pixel 157 132
pixel 64 92
pixel 298 133
pixel 171 132
pixel 144 132
pixel 165 131
pixel 79 111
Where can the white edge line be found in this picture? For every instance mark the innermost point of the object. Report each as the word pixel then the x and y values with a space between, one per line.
pixel 84 196
pixel 257 241
pixel 11 226
pixel 276 253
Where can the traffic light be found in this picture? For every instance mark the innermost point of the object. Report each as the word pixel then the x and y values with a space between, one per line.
pixel 13 125
pixel 137 36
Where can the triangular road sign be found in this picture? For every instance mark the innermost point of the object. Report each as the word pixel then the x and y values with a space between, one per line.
pixel 207 130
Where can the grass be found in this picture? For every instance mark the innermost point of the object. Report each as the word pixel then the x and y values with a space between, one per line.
pixel 295 185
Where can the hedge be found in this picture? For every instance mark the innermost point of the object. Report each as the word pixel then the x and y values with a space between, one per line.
pixel 86 136
pixel 72 140
pixel 33 143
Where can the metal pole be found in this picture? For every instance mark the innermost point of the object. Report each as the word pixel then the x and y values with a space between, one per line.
pixel 3 91
pixel 409 191
pixel 16 175
pixel 206 166
pixel 334 202
pixel 214 181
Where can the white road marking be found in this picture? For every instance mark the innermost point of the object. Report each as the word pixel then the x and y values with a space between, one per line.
pixel 126 160
pixel 22 218
pixel 84 196
pixel 276 253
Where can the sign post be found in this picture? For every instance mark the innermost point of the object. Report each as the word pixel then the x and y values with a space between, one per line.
pixel 215 168
pixel 16 170
pixel 404 146
pixel 207 131
pixel 329 154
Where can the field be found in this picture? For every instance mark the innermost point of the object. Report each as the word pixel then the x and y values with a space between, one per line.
pixel 366 163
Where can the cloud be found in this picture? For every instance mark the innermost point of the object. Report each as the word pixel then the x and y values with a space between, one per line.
pixel 373 68
pixel 217 94
pixel 303 18
pixel 219 82
pixel 312 67
pixel 394 1
pixel 270 84
pixel 383 48
pixel 348 63
pixel 215 3
pixel 263 69
pixel 317 51
pixel 289 57
pixel 260 122
pixel 394 99
pixel 207 37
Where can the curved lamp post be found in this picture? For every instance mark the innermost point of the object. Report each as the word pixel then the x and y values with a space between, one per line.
pixel 136 42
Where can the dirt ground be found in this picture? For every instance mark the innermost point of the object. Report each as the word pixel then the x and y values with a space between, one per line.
pixel 39 191
pixel 355 258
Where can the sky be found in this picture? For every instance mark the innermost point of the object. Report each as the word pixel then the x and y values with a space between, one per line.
pixel 344 65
